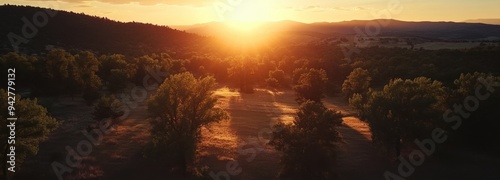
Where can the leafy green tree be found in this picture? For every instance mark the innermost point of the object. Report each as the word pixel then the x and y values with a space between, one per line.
pixel 88 66
pixel 107 107
pixel 357 82
pixel 179 108
pixel 60 72
pixel 90 82
pixel 311 85
pixel 33 125
pixel 116 71
pixel 308 144
pixel 404 110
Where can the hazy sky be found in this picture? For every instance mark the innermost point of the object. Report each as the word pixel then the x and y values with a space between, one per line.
pixel 181 12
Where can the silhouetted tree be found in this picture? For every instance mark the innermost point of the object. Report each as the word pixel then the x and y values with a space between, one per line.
pixel 311 85
pixel 242 72
pixel 179 108
pixel 33 125
pixel 357 82
pixel 404 110
pixel 479 125
pixel 308 144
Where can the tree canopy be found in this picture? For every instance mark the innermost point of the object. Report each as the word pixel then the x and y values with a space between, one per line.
pixel 179 108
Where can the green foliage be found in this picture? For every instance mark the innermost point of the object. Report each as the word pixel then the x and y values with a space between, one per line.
pixel 88 65
pixel 308 145
pixel 116 71
pixel 24 65
pixel 179 108
pixel 107 107
pixel 33 126
pixel 311 85
pixel 466 84
pixel 403 110
pixel 357 82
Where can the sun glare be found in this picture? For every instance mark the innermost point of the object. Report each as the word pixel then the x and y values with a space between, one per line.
pixel 249 15
pixel 244 26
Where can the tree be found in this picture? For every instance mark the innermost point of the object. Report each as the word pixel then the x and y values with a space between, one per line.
pixel 107 107
pixel 308 144
pixel 479 126
pixel 242 72
pixel 116 71
pixel 404 110
pixel 357 82
pixel 61 73
pixel 89 81
pixel 311 85
pixel 276 79
pixel 33 125
pixel 24 65
pixel 179 108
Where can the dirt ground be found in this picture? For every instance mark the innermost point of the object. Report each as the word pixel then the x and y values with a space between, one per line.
pixel 241 140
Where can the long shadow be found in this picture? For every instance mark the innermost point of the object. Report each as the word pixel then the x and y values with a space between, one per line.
pixel 357 158
pixel 252 118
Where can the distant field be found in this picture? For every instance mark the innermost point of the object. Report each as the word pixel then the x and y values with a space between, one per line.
pixel 447 45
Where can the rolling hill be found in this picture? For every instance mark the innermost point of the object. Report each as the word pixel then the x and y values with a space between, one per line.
pixel 388 27
pixel 80 31
pixel 36 28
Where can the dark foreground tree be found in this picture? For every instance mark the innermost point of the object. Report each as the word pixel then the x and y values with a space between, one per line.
pixel 180 107
pixel 404 110
pixel 311 85
pixel 479 96
pixel 33 125
pixel 308 144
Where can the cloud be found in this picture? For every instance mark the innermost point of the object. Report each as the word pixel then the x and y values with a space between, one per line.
pixel 83 6
pixel 146 2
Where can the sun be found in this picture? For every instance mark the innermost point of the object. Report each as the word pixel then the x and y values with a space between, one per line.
pixel 247 16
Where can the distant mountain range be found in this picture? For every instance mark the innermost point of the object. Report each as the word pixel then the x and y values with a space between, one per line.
pixel 79 31
pixel 380 27
pixel 485 21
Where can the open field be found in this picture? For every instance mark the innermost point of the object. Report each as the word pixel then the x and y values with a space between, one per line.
pixel 241 139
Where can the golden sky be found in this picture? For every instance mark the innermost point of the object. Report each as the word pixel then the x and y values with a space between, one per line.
pixel 185 12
